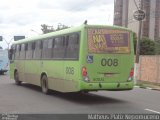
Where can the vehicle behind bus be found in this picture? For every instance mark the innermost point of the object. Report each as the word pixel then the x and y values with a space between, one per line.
pixel 4 61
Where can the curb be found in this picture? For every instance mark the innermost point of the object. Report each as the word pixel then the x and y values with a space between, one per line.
pixel 156 89
pixel 149 88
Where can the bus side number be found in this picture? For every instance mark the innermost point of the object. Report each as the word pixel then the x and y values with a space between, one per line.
pixel 109 62
pixel 70 70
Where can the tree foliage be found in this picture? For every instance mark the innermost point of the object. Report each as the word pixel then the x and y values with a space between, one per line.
pixel 147 46
pixel 47 29
pixel 157 47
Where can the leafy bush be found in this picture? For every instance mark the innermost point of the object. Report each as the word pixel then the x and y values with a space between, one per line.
pixel 157 47
pixel 147 46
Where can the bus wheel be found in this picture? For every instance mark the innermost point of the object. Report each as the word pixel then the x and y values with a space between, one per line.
pixel 16 78
pixel 44 84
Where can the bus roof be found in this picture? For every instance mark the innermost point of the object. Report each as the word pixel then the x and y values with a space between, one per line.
pixel 65 31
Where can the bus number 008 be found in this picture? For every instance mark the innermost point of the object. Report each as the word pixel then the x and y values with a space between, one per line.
pixel 69 70
pixel 109 62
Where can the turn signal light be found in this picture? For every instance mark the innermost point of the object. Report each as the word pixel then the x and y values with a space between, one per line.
pixel 84 71
pixel 131 74
pixel 85 74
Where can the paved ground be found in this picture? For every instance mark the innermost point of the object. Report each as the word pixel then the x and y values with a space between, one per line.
pixel 29 99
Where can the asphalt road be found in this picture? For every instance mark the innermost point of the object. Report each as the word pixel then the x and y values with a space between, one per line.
pixel 29 99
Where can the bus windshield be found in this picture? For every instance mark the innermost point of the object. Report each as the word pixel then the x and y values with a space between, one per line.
pixel 104 40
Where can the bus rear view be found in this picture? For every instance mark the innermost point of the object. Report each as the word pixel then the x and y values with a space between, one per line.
pixel 108 60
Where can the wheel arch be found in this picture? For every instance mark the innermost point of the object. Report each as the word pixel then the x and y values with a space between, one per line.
pixel 43 73
pixel 15 70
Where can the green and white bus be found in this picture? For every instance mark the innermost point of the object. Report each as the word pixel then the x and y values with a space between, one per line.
pixel 84 58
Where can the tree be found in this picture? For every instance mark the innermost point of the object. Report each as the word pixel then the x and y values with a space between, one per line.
pixel 47 29
pixel 157 47
pixel 61 27
pixel 147 46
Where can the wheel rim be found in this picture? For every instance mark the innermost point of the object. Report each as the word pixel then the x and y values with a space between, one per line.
pixel 44 85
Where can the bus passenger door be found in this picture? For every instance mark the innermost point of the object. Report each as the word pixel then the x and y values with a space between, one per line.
pixel 19 62
pixel 11 56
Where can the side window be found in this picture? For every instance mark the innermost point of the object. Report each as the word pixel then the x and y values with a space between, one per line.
pixel 33 45
pixel 67 40
pixel 59 47
pixel 22 52
pixel 58 42
pixel 44 50
pixel 50 43
pixel 15 47
pixel 38 50
pixel 41 44
pixel 23 47
pixel 11 54
pixel 17 54
pixel 72 46
pixel 47 49
pixel 38 45
pixel 29 51
pixel 45 44
pixel 19 48
pixel 29 46
pixel 33 49
pixel 74 39
pixel 50 48
pixel 26 46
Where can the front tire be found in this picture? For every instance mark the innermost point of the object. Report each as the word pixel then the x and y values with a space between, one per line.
pixel 44 84
pixel 16 78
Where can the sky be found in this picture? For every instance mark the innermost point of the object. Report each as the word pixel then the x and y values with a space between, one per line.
pixel 24 17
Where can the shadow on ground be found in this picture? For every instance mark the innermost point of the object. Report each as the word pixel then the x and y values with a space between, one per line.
pixel 80 98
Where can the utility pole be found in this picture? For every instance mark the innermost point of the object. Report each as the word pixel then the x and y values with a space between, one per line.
pixel 139 34
pixel 8 43
pixel 36 32
pixel 139 15
pixel 15 39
